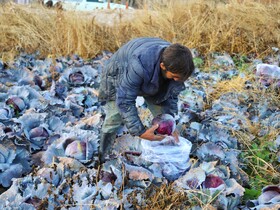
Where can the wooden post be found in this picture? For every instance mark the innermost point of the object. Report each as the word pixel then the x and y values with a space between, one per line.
pixel 108 5
pixel 126 5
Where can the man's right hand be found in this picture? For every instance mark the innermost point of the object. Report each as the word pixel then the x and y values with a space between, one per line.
pixel 150 134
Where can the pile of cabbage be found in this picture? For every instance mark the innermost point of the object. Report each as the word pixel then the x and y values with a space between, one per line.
pixel 50 121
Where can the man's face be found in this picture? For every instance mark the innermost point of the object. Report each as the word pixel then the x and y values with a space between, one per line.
pixel 169 75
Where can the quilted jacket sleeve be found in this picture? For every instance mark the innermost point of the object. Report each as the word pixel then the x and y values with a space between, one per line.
pixel 126 95
pixel 170 99
pixel 170 106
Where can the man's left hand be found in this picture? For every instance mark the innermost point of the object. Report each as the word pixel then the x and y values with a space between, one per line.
pixel 175 134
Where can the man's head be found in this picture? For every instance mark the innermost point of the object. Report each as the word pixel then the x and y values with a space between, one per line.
pixel 177 62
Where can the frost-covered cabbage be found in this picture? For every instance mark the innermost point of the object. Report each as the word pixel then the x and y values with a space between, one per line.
pixel 269 198
pixel 38 128
pixel 77 149
pixel 16 103
pixel 77 144
pixel 5 113
pixel 21 98
pixel 78 76
pixel 212 181
pixel 14 162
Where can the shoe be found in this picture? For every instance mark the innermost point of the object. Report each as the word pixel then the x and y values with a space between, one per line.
pixel 105 146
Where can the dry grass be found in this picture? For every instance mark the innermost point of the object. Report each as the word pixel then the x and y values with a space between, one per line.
pixel 241 28
pixel 55 33
pixel 233 27
pixel 165 197
pixel 234 85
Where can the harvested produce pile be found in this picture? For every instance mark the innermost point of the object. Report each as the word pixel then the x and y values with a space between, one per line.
pixel 50 121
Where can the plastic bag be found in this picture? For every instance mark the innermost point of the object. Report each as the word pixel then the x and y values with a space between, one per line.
pixel 268 74
pixel 172 156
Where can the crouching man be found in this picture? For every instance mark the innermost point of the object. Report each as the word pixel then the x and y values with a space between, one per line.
pixel 148 67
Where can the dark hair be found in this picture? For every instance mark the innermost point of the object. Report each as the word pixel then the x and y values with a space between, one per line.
pixel 178 60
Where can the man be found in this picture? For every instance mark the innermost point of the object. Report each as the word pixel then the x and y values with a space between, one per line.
pixel 148 67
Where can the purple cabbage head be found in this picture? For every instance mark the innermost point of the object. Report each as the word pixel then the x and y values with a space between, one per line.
pixel 39 131
pixel 213 181
pixel 166 124
pixel 22 98
pixel 77 149
pixel 106 176
pixel 77 78
pixel 269 193
pixel 60 90
pixel 77 144
pixel 36 128
pixel 16 103
pixel 38 81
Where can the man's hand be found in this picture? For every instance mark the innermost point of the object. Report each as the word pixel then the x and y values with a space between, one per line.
pixel 175 134
pixel 150 134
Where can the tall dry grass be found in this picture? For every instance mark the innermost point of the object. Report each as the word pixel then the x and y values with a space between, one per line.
pixel 52 32
pixel 248 27
pixel 231 26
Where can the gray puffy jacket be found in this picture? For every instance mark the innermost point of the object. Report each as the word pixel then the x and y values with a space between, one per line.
pixel 134 70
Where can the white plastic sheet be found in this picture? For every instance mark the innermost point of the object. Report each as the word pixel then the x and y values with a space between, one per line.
pixel 268 74
pixel 172 156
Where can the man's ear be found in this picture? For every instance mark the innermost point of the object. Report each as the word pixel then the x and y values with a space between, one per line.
pixel 162 66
